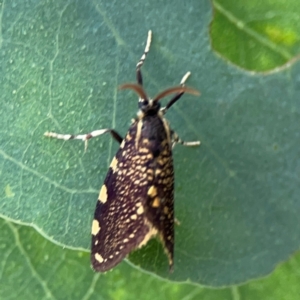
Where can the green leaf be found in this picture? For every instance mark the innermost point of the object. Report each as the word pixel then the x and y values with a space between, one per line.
pixel 256 35
pixel 236 195
pixel 37 269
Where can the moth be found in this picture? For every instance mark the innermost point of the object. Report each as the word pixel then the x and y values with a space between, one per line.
pixel 136 201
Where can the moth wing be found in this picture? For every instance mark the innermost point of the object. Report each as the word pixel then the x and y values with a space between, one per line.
pixel 160 200
pixel 119 224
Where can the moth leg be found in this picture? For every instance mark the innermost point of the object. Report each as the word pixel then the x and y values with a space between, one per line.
pixel 139 77
pixel 177 140
pixel 177 96
pixel 84 137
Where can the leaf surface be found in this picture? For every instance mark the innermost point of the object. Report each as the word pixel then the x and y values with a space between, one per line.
pixel 236 197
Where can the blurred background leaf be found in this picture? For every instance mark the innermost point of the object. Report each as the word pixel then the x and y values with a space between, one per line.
pixel 34 268
pixel 256 35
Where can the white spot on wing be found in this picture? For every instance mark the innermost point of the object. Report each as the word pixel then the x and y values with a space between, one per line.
pixel 95 227
pixel 103 194
pixel 99 258
pixel 133 217
pixel 140 210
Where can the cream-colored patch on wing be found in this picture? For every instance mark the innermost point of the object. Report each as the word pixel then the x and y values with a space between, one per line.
pixel 138 133
pixel 122 144
pixel 103 194
pixel 140 210
pixel 113 164
pixel 157 172
pixel 156 202
pixel 95 227
pixel 152 192
pixel 144 150
pixel 133 217
pixel 150 234
pixel 128 137
pixel 99 258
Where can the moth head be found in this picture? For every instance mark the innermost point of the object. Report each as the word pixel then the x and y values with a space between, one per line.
pixel 152 106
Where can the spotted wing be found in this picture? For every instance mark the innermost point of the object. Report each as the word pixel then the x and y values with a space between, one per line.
pixel 119 224
pixel 160 200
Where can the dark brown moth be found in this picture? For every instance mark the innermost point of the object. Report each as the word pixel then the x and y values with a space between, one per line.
pixel 136 201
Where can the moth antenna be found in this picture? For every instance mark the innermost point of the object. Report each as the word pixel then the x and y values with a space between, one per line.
pixel 135 87
pixel 176 89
